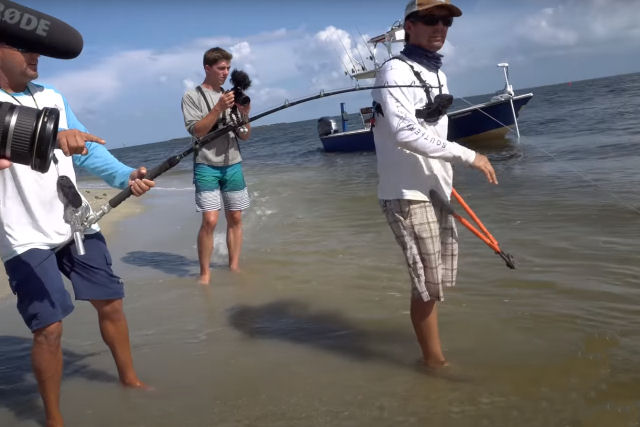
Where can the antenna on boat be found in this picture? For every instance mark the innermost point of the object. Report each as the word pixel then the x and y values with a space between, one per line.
pixel 355 68
pixel 363 65
pixel 372 54
pixel 508 89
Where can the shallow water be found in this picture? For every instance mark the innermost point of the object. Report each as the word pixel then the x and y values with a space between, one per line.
pixel 315 330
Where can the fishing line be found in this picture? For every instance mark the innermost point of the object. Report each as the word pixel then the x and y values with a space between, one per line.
pixel 585 177
pixel 578 172
pixel 486 114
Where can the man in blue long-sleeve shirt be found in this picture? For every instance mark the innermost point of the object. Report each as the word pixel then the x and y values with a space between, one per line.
pixel 36 243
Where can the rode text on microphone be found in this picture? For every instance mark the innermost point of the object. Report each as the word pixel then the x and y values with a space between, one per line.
pixel 28 135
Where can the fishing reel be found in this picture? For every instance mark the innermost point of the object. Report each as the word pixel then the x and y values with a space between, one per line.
pixel 76 210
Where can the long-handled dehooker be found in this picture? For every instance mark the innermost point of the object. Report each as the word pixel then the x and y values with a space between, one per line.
pixel 483 233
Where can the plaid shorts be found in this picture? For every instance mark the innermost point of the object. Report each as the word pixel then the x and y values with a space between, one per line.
pixel 429 240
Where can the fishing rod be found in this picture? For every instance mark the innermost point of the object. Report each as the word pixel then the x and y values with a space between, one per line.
pixel 169 163
pixel 483 233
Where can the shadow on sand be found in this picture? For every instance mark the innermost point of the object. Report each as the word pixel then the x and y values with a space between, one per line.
pixel 18 388
pixel 294 322
pixel 175 265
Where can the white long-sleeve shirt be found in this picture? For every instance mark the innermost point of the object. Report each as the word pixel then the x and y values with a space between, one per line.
pixel 31 212
pixel 413 156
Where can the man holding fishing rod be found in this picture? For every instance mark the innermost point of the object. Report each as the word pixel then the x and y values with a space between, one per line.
pixel 36 243
pixel 414 157
pixel 217 169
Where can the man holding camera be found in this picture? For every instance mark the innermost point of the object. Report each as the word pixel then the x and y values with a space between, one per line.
pixel 217 172
pixel 36 243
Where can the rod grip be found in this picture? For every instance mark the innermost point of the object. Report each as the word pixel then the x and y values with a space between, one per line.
pixel 151 174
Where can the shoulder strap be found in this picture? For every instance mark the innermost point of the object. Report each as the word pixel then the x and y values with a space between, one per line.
pixel 206 101
pixel 420 79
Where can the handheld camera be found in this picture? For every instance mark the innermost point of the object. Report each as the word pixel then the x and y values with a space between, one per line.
pixel 241 82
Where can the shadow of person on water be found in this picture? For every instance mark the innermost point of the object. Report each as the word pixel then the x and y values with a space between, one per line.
pixel 18 388
pixel 293 321
pixel 175 265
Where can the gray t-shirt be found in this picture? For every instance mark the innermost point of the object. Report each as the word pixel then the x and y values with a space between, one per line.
pixel 222 151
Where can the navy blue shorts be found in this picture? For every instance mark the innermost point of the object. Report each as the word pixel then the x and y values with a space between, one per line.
pixel 35 277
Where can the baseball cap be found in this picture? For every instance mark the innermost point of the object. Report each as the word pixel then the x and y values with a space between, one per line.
pixel 420 5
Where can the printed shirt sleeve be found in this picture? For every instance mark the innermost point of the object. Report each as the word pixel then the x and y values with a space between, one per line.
pixel 98 161
pixel 399 111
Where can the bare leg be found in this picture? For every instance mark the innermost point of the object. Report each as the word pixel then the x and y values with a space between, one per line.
pixel 46 361
pixel 234 237
pixel 424 317
pixel 205 245
pixel 115 333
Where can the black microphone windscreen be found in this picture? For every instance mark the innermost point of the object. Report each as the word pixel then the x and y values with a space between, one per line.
pixel 68 192
pixel 37 32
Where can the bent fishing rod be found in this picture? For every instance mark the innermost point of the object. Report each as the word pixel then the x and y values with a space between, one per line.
pixel 174 160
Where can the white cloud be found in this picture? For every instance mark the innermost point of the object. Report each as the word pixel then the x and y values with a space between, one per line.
pixel 547 29
pixel 287 64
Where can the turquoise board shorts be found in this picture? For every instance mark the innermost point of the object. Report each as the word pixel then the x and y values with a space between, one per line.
pixel 218 185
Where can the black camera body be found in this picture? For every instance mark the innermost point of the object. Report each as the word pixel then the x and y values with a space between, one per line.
pixel 432 112
pixel 241 82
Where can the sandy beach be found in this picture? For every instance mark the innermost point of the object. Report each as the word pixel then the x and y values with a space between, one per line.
pixel 96 197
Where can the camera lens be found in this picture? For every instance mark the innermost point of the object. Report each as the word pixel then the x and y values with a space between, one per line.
pixel 28 135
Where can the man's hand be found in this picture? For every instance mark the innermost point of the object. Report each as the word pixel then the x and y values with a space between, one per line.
pixel 226 101
pixel 482 163
pixel 4 163
pixel 73 141
pixel 244 109
pixel 139 185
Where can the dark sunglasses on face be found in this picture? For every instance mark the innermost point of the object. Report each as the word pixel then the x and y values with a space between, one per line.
pixel 19 49
pixel 432 20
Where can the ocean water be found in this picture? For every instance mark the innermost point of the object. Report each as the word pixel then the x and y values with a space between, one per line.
pixel 315 330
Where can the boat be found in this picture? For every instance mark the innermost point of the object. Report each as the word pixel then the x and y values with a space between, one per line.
pixel 488 121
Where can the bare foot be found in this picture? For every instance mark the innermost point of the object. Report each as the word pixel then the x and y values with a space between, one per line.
pixel 136 384
pixel 433 363
pixel 54 420
pixel 204 278
pixel 235 269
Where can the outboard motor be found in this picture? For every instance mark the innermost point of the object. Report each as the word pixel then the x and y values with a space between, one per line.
pixel 326 126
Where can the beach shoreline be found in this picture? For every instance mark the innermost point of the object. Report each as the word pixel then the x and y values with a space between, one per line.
pixel 97 197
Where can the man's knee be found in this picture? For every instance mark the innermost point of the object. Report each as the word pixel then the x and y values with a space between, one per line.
pixel 234 218
pixel 49 336
pixel 109 309
pixel 209 221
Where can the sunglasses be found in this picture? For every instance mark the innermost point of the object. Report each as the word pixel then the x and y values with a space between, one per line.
pixel 432 20
pixel 19 49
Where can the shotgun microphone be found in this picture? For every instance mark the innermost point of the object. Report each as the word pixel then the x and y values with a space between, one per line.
pixel 37 32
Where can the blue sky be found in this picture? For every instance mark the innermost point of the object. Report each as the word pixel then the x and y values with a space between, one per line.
pixel 140 56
